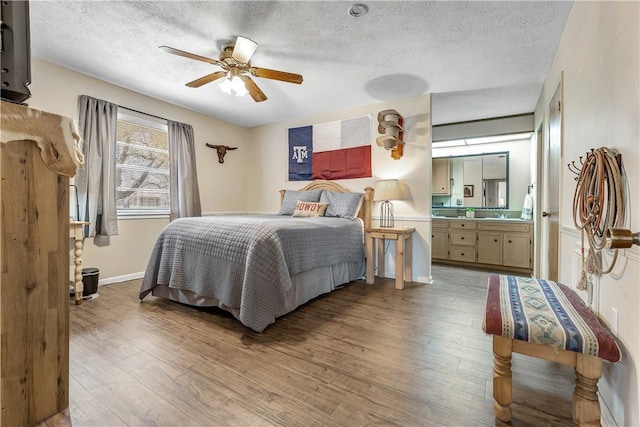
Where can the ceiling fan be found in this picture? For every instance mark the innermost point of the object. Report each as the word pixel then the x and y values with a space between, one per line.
pixel 234 60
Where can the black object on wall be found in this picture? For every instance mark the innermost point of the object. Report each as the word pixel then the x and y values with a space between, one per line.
pixel 16 51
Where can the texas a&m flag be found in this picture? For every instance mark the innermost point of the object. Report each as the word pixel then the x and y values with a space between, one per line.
pixel 334 150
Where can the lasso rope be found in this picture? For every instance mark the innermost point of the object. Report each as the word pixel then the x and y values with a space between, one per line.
pixel 598 204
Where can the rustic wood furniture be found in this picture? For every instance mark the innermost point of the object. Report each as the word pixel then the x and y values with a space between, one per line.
pixel 76 229
pixel 35 165
pixel 544 319
pixel 404 253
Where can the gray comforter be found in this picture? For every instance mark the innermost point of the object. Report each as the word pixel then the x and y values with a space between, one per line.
pixel 246 262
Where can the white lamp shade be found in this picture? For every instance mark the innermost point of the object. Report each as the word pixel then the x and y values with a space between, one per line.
pixel 388 189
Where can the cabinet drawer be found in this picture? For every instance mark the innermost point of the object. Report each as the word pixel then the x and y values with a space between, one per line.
pixel 464 238
pixel 463 225
pixel 463 253
pixel 387 236
pixel 440 224
pixel 506 226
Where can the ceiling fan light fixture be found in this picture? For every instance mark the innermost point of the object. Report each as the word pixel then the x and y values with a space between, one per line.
pixel 235 77
pixel 244 49
pixel 233 85
pixel 238 86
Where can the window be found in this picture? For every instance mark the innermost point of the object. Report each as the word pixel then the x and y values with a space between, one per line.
pixel 142 167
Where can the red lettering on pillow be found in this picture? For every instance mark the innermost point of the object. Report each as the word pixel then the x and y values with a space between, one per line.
pixel 308 209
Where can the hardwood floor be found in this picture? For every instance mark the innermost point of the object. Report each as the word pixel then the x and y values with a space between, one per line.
pixel 362 355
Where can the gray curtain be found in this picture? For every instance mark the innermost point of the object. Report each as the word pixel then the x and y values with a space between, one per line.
pixel 185 195
pixel 96 182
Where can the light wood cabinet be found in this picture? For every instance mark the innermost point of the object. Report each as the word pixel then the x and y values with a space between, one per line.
pixel 462 240
pixel 440 240
pixel 34 254
pixel 489 247
pixel 35 290
pixel 441 177
pixel 484 243
pixel 517 250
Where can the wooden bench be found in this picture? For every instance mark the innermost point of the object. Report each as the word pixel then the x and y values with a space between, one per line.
pixel 545 319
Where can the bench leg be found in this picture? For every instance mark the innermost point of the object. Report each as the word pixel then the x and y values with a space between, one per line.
pixel 502 394
pixel 586 408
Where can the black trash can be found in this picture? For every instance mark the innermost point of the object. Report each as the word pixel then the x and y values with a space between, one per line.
pixel 90 280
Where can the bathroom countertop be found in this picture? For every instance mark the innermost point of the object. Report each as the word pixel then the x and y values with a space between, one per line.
pixel 482 219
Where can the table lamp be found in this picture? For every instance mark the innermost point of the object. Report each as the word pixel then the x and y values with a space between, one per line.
pixel 386 190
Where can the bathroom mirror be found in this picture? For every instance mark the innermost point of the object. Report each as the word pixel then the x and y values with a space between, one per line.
pixel 476 181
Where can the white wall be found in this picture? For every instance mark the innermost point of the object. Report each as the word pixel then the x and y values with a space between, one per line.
pixel 251 176
pixel 599 54
pixel 270 151
pixel 223 187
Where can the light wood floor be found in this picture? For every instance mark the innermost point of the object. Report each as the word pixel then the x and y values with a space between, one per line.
pixel 363 355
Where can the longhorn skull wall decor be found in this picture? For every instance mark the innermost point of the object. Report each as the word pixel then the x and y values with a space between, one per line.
pixel 221 150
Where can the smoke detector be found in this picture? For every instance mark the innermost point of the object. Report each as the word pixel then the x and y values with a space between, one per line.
pixel 358 10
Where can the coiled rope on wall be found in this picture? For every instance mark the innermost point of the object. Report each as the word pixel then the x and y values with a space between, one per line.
pixel 598 204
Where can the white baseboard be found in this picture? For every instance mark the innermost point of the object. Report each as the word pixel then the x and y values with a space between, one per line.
pixel 416 279
pixel 606 417
pixel 123 278
pixel 140 275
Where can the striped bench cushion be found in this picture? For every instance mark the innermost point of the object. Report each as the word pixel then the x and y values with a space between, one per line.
pixel 545 312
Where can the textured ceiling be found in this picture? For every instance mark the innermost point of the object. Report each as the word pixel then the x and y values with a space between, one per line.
pixel 479 59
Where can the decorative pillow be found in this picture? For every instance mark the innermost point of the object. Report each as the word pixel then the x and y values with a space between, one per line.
pixel 291 197
pixel 342 205
pixel 307 209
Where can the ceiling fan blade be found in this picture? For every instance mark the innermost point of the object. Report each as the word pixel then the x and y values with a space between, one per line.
pixel 255 92
pixel 244 49
pixel 207 79
pixel 276 75
pixel 189 55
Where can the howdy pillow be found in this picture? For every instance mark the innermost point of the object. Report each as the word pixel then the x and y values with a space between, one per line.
pixel 307 209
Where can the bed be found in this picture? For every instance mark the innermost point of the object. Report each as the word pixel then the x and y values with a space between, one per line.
pixel 260 267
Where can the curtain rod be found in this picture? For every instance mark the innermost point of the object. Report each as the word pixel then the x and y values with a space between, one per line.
pixel 142 112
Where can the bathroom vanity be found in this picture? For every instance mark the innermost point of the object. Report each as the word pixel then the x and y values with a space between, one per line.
pixel 491 243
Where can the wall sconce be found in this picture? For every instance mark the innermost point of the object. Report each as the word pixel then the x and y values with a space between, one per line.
pixel 620 238
pixel 390 125
pixel 386 190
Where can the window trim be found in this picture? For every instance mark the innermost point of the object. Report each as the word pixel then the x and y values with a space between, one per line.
pixel 129 214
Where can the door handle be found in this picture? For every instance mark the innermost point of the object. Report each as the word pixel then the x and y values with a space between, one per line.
pixel 545 214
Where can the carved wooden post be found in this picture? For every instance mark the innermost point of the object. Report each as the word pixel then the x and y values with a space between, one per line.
pixel 586 408
pixel 502 392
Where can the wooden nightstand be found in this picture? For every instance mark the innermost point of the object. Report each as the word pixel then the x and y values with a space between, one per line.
pixel 404 246
pixel 76 233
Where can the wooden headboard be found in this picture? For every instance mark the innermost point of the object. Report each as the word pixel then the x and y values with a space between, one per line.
pixel 367 202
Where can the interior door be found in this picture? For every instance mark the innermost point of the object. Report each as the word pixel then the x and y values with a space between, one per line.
pixel 551 176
